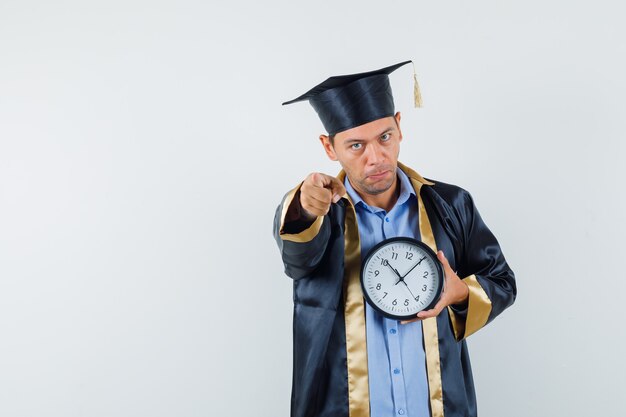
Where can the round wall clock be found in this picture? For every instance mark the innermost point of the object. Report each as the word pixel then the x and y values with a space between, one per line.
pixel 401 277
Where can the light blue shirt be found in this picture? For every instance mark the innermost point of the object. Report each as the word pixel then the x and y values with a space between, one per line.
pixel 395 352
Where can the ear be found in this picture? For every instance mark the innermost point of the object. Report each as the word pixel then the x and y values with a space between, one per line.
pixel 398 116
pixel 328 147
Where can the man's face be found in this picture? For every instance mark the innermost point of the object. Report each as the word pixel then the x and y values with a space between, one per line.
pixel 368 154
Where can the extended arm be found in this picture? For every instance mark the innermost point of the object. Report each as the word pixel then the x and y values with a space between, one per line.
pixel 301 227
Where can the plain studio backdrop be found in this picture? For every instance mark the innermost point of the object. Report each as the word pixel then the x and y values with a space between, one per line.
pixel 143 151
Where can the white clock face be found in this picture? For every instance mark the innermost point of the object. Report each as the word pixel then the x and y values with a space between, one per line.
pixel 401 277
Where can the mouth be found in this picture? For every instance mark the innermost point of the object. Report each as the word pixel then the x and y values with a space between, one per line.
pixel 378 176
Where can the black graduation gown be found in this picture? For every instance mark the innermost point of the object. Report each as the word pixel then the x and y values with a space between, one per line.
pixel 315 260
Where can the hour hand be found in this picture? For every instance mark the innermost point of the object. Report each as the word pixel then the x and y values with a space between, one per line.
pixel 400 277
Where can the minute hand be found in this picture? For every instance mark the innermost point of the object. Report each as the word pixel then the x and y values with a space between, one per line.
pixel 413 267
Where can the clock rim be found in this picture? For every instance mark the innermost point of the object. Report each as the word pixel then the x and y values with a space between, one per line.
pixel 428 250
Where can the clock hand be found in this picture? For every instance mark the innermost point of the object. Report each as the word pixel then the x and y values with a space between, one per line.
pixel 400 278
pixel 407 287
pixel 413 267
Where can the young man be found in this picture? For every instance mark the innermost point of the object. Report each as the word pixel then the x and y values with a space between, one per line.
pixel 349 360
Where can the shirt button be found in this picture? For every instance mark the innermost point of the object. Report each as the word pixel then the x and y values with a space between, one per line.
pixel 387 219
pixel 392 331
pixel 401 411
pixel 396 371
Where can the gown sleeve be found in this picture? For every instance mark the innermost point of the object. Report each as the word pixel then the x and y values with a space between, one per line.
pixel 301 248
pixel 484 269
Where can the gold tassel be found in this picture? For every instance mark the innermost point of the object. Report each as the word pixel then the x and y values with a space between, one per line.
pixel 417 95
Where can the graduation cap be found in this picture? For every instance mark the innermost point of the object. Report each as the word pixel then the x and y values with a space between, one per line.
pixel 346 101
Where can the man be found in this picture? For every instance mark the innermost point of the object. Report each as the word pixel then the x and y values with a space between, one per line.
pixel 348 359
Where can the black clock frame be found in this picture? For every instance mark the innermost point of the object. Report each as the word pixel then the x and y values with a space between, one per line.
pixel 428 251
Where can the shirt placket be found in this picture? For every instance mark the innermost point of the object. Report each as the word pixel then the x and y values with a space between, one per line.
pixel 393 338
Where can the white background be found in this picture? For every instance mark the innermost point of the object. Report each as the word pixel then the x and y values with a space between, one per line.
pixel 143 150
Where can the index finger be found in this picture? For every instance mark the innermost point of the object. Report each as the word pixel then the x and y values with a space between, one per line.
pixel 337 188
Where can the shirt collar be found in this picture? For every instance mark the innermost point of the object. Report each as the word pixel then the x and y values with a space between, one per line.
pixel 406 190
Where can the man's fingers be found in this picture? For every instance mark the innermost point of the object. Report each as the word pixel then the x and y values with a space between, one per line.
pixel 322 195
pixel 444 261
pixel 315 206
pixel 329 182
pixel 444 300
pixel 320 180
pixel 422 315
pixel 337 189
pixel 316 197
pixel 318 191
pixel 317 179
pixel 410 321
pixel 426 314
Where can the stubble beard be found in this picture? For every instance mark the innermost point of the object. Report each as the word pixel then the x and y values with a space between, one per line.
pixel 375 189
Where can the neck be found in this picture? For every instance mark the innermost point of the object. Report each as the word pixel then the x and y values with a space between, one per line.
pixel 385 200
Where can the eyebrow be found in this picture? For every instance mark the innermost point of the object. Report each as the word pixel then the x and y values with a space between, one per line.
pixel 354 140
pixel 389 129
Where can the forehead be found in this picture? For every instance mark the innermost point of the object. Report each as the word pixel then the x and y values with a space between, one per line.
pixel 368 130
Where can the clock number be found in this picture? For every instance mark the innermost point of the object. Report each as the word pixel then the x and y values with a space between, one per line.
pixel 378 286
pixel 395 302
pixel 394 255
pixel 425 274
pixel 385 295
pixel 376 273
pixel 406 302
pixel 409 255
pixel 384 262
pixel 424 287
pixel 417 298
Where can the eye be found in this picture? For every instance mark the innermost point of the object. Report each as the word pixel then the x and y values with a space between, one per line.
pixel 385 137
pixel 356 146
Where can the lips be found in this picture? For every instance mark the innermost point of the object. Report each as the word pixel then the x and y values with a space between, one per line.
pixel 378 175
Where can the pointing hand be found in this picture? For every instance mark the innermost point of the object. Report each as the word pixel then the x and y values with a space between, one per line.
pixel 317 192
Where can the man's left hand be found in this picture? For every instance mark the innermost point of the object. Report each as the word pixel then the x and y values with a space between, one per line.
pixel 455 292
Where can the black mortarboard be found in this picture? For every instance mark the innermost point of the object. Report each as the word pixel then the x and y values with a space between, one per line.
pixel 346 101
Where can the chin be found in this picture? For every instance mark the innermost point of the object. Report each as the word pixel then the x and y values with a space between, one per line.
pixel 375 189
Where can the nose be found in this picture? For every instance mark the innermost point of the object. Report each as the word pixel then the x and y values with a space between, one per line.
pixel 375 154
